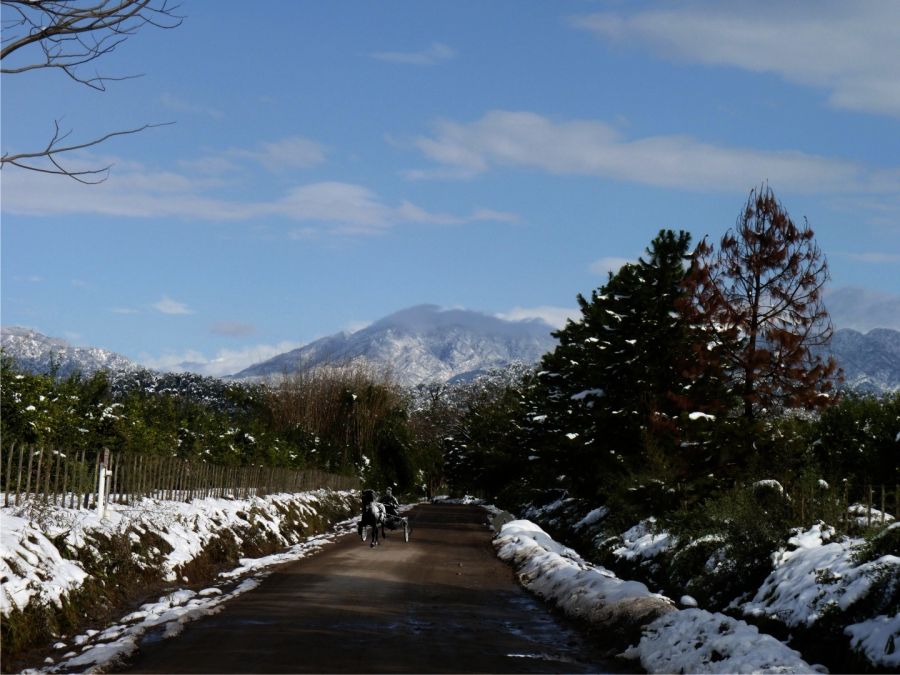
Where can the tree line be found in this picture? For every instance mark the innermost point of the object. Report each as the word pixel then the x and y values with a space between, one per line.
pixel 344 419
pixel 689 372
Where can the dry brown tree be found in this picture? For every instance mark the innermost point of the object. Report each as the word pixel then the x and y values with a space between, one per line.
pixel 69 35
pixel 761 296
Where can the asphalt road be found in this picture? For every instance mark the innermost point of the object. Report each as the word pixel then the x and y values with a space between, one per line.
pixel 441 603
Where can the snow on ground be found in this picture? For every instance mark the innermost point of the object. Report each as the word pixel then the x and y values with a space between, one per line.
pixel 641 541
pixel 697 641
pixel 690 640
pixel 33 570
pixel 819 571
pixel 878 639
pixel 558 573
pixel 592 518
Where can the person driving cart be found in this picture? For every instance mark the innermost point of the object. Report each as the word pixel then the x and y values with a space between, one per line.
pixel 390 502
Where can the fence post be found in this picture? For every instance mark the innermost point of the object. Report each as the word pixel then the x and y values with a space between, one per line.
pixel 103 461
pixel 869 493
pixel 50 464
pixel 28 474
pixel 883 506
pixel 7 485
pixel 59 460
pixel 19 472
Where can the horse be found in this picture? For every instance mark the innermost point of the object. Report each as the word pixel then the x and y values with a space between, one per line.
pixel 373 515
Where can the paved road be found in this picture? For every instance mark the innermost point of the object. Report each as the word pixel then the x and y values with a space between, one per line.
pixel 441 603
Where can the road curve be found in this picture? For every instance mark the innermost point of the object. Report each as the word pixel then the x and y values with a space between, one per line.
pixel 441 603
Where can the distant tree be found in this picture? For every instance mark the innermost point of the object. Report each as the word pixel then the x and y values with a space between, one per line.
pixel 68 35
pixel 760 296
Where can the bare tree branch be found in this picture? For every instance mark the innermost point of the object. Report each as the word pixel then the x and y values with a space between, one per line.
pixel 68 35
pixel 53 148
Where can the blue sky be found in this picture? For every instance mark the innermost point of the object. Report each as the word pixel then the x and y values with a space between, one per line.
pixel 332 163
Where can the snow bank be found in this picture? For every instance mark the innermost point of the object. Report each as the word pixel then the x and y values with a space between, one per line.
pixel 30 565
pixel 819 573
pixel 697 641
pixel 690 640
pixel 878 639
pixel 559 575
pixel 33 570
pixel 815 575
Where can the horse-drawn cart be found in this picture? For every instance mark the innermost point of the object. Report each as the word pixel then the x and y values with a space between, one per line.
pixel 392 523
pixel 375 515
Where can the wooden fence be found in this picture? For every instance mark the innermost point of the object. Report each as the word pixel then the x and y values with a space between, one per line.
pixel 71 479
pixel 872 504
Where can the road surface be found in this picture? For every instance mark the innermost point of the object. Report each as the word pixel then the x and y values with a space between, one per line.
pixel 441 603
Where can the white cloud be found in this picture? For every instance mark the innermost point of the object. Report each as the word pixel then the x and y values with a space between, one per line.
pixel 554 316
pixel 232 328
pixel 875 258
pixel 294 152
pixel 224 362
pixel 862 308
pixel 177 104
pixel 169 306
pixel 433 55
pixel 603 266
pixel 595 148
pixel 133 191
pixel 850 49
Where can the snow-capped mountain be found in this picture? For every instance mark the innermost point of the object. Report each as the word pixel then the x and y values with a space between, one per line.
pixel 421 344
pixel 871 361
pixel 427 344
pixel 36 353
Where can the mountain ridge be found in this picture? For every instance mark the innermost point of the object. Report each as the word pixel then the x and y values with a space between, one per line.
pixel 421 344
pixel 426 343
pixel 35 352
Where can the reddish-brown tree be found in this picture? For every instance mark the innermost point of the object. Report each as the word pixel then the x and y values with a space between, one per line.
pixel 761 294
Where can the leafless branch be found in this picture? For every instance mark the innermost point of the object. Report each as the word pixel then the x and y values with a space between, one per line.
pixel 68 35
pixel 55 148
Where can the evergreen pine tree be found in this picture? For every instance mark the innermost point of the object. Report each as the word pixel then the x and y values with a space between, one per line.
pixel 613 389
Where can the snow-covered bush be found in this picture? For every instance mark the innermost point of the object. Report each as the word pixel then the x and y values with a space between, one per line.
pixel 836 585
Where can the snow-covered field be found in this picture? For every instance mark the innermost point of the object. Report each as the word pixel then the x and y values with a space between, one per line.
pixel 33 570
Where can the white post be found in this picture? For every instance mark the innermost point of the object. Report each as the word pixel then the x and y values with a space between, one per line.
pixel 101 483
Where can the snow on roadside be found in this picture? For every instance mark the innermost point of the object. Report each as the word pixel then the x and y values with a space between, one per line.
pixel 697 641
pixel 186 526
pixel 559 574
pixel 819 572
pixel 878 639
pixel 690 640
pixel 32 568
